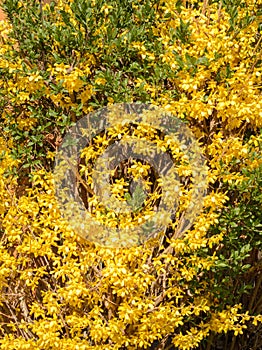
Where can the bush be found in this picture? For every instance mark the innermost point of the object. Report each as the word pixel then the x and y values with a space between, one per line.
pixel 200 61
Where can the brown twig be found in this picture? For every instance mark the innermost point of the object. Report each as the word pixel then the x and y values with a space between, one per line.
pixel 219 13
pixel 88 188
pixel 205 4
pixel 255 292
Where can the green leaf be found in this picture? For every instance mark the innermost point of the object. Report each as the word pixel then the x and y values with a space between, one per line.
pixel 136 200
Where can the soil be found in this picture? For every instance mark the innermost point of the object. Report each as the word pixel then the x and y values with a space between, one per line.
pixel 2 15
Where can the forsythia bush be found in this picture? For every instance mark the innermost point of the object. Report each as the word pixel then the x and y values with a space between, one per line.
pixel 202 62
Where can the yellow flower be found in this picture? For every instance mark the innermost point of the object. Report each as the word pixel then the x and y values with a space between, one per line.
pixel 100 81
pixel 106 9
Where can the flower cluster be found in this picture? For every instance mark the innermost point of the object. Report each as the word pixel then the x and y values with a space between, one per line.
pixel 202 62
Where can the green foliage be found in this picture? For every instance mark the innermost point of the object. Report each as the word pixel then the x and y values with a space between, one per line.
pixel 201 61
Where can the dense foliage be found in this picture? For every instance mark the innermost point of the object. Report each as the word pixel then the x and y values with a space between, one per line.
pixel 202 62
